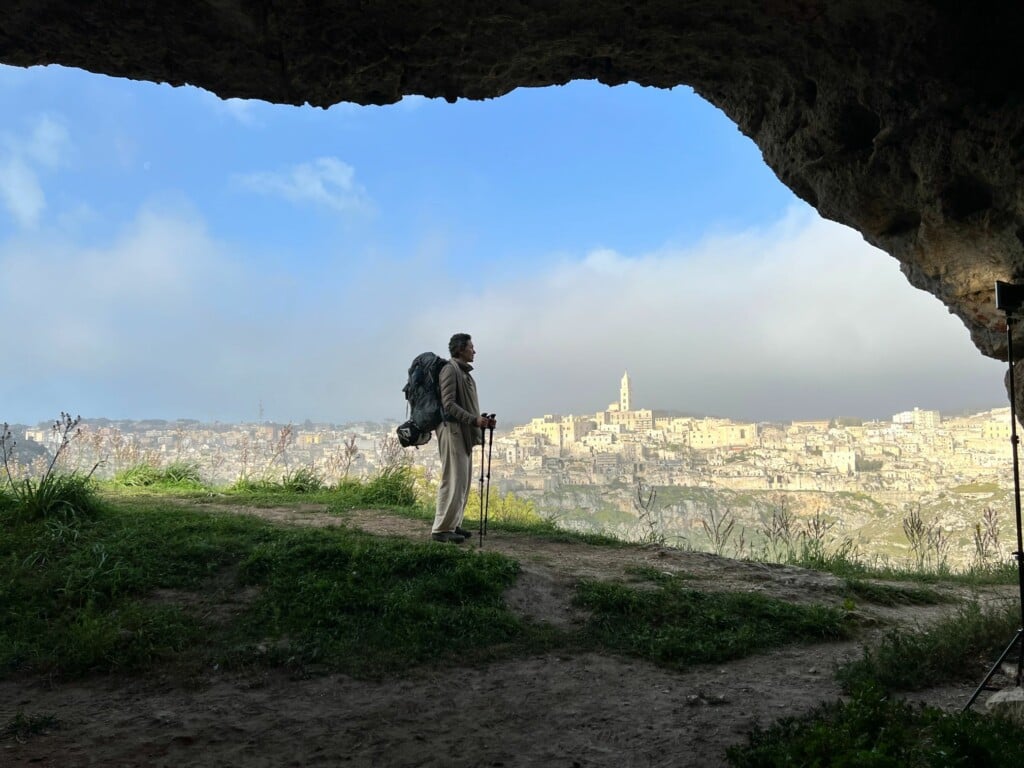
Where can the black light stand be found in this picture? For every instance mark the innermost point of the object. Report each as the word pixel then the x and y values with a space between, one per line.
pixel 1010 299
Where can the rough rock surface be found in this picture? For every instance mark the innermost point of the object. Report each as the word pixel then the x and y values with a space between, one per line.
pixel 903 119
pixel 1009 703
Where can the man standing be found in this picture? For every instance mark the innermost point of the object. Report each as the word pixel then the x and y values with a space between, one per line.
pixel 462 429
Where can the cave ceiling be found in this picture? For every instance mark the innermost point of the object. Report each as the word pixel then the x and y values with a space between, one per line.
pixel 903 120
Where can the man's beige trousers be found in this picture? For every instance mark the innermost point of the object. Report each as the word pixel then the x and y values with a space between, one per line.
pixel 456 478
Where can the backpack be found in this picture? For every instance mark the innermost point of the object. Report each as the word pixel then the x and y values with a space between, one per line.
pixel 423 397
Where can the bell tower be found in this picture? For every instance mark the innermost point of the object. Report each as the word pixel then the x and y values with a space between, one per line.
pixel 625 393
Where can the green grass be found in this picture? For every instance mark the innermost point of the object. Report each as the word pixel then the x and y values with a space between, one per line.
pixel 890 595
pixel 874 731
pixel 390 488
pixel 138 476
pixel 539 528
pixel 302 481
pixel 679 627
pixel 75 595
pixel 60 497
pixel 80 599
pixel 177 474
pixel 844 561
pixel 351 602
pixel 960 647
pixel 977 488
pixel 134 585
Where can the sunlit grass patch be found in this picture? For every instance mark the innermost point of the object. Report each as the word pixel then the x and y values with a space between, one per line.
pixel 679 627
pixel 177 474
pixel 390 488
pixel 54 496
pixel 547 530
pixel 80 600
pixel 75 595
pixel 351 602
pixel 954 648
pixel 892 595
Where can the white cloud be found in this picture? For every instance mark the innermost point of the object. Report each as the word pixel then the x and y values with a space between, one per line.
pixel 48 142
pixel 242 111
pixel 21 158
pixel 20 191
pixel 85 303
pixel 804 319
pixel 164 320
pixel 326 181
pixel 801 320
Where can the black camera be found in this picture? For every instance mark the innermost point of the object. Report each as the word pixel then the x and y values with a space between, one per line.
pixel 1009 296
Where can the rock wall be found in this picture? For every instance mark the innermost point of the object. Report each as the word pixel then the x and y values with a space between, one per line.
pixel 903 119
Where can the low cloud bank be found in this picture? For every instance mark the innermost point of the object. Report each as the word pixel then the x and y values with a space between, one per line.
pixel 801 320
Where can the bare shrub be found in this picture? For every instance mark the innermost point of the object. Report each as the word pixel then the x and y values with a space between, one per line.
pixel 916 531
pixel 648 514
pixel 929 544
pixel 986 536
pixel 390 455
pixel 338 464
pixel 779 532
pixel 718 527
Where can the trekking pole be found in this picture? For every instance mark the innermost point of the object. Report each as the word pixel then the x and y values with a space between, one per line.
pixel 482 486
pixel 487 493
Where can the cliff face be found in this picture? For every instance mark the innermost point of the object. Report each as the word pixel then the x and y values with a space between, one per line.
pixel 904 119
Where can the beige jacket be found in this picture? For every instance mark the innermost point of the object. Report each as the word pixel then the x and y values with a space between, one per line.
pixel 459 402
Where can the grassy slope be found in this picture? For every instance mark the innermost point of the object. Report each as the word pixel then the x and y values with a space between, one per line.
pixel 135 587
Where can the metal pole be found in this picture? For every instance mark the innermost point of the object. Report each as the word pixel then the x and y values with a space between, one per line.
pixel 1015 440
pixel 1019 554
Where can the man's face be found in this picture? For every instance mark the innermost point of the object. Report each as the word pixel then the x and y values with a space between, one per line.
pixel 468 352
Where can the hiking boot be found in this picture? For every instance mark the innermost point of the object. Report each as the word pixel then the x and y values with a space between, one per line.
pixel 463 532
pixel 448 536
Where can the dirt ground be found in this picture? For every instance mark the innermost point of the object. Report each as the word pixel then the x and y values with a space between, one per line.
pixel 585 710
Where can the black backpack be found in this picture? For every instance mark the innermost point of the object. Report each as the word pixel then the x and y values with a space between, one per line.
pixel 423 395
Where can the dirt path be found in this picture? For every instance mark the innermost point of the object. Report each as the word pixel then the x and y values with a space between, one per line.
pixel 579 710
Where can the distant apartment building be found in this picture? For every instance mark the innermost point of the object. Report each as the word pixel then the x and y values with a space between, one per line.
pixel 918 419
pixel 38 435
pixel 709 434
pixel 996 429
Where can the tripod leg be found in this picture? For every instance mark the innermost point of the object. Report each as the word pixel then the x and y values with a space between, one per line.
pixel 995 667
pixel 1014 440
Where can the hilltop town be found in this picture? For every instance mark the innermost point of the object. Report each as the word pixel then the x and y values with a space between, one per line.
pixel 916 451
pixel 586 470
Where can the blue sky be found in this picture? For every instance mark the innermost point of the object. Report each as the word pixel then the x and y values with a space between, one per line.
pixel 168 254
